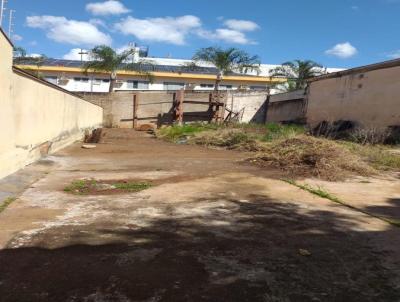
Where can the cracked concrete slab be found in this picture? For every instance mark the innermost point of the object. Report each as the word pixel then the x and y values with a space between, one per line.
pixel 211 229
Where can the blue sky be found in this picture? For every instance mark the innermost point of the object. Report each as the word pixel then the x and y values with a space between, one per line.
pixel 335 33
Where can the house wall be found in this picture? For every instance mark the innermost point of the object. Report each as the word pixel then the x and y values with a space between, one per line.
pixel 36 118
pixel 370 98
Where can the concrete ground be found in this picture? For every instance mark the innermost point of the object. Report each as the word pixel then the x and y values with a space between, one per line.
pixel 212 229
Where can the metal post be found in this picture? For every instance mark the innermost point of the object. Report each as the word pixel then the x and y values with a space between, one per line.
pixel 10 23
pixel 2 9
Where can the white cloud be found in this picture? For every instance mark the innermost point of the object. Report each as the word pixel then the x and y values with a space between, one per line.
pixel 98 22
pixel 74 54
pixel 17 37
pixel 110 7
pixel 241 25
pixel 342 50
pixel 34 55
pixel 167 29
pixel 225 35
pixel 394 54
pixel 62 30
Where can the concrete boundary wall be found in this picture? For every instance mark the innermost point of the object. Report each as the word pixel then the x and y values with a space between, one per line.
pixel 368 96
pixel 36 117
pixel 287 107
pixel 156 107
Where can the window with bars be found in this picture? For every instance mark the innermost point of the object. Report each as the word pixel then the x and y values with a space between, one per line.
pixel 141 85
pixel 98 81
pixel 209 86
pixel 83 80
pixel 173 86
pixel 258 87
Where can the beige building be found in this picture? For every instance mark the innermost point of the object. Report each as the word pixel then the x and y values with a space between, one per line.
pixel 36 117
pixel 368 95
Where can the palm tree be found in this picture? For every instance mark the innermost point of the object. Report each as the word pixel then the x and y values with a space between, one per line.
pixel 105 59
pixel 297 73
pixel 20 57
pixel 227 61
pixel 19 52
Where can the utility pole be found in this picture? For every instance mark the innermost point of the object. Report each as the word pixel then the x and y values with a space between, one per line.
pixel 2 9
pixel 10 23
pixel 82 53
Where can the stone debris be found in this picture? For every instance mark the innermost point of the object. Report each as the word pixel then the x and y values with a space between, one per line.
pixel 88 146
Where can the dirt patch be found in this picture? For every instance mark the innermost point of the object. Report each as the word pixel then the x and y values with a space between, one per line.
pixel 308 156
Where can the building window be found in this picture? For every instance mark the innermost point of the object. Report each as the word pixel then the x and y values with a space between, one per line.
pixel 52 79
pixel 258 87
pixel 141 85
pixel 83 80
pixel 225 87
pixel 97 81
pixel 207 86
pixel 173 86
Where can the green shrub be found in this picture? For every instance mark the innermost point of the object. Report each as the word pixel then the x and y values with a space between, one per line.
pixel 173 133
pixel 278 131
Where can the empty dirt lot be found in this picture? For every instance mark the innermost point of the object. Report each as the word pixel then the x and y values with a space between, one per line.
pixel 209 229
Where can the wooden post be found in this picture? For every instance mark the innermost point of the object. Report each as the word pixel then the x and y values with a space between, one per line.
pixel 267 106
pixel 178 104
pixel 217 107
pixel 135 108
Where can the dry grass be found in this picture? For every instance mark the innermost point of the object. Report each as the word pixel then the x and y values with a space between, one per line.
pixel 378 156
pixel 308 156
pixel 290 149
pixel 228 138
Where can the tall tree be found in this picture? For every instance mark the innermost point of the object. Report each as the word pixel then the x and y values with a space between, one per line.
pixel 227 61
pixel 19 52
pixel 107 60
pixel 297 73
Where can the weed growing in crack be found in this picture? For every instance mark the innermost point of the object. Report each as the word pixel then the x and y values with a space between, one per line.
pixel 6 203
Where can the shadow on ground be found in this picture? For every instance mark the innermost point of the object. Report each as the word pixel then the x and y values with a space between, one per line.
pixel 242 251
pixel 391 212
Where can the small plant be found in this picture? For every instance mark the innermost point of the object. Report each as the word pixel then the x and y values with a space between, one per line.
pixel 6 203
pixel 318 191
pixel 92 186
pixel 132 186
pixel 80 186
